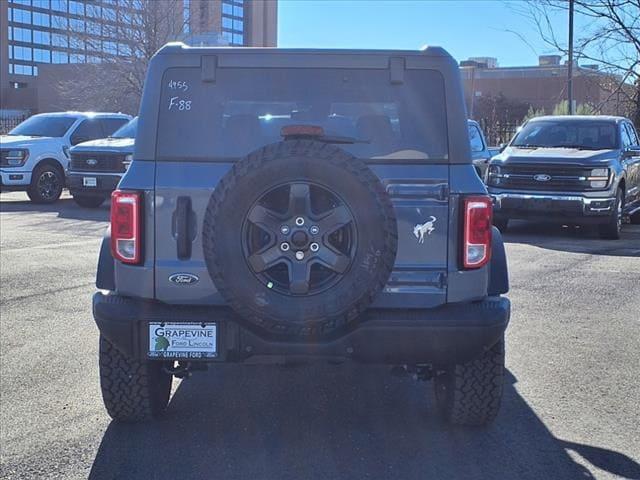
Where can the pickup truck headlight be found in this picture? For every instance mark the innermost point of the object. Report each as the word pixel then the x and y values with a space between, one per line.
pixel 493 175
pixel 16 158
pixel 127 161
pixel 599 178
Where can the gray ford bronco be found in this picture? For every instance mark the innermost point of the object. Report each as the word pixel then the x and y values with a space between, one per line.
pixel 302 205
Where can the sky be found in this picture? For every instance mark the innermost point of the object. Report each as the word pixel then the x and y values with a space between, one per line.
pixel 466 28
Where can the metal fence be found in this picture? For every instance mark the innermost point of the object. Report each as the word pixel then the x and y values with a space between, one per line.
pixel 497 133
pixel 10 119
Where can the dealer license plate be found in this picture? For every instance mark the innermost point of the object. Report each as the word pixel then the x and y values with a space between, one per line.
pixel 183 340
pixel 89 181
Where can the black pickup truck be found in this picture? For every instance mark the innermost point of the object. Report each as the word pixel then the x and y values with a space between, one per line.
pixel 570 169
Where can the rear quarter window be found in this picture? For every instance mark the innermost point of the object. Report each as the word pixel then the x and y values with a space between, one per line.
pixel 246 109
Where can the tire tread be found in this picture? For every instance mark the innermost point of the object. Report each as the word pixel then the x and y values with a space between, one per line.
pixel 132 391
pixel 475 389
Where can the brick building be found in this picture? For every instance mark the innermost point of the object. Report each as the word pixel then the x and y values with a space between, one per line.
pixel 542 86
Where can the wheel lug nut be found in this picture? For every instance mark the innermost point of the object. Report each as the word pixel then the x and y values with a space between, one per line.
pixel 284 229
pixel 314 230
pixel 314 247
pixel 284 246
pixel 299 255
pixel 299 221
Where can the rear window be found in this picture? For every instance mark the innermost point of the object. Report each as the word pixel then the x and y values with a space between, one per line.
pixel 246 109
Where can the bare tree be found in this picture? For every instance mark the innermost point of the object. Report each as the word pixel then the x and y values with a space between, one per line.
pixel 499 116
pixel 113 52
pixel 610 38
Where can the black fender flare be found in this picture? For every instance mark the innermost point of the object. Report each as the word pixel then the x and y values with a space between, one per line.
pixel 105 276
pixel 498 270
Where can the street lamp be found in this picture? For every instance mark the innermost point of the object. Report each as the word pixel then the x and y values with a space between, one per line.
pixel 570 69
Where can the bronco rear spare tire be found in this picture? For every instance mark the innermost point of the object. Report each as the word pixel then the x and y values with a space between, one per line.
pixel 299 237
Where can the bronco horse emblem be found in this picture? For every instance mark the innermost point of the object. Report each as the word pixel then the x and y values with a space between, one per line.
pixel 420 230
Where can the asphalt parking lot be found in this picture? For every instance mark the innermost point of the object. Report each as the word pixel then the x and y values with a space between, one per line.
pixel 570 408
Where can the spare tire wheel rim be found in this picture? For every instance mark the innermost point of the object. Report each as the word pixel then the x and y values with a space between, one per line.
pixel 299 238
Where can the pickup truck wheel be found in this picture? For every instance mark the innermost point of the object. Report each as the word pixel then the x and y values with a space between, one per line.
pixel 501 224
pixel 88 201
pixel 469 394
pixel 611 229
pixel 47 182
pixel 299 237
pixel 132 390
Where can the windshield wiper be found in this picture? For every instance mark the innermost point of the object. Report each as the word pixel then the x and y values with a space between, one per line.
pixel 578 147
pixel 528 145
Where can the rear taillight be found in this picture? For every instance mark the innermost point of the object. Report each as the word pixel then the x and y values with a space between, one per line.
pixel 126 229
pixel 476 248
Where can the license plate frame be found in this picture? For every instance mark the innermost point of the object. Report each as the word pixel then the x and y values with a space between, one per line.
pixel 183 340
pixel 90 182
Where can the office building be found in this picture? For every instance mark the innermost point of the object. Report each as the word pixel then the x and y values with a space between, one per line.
pixel 35 34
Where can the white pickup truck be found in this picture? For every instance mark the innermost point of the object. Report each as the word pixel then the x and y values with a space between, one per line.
pixel 35 154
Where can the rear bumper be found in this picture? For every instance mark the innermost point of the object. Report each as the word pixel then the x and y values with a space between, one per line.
pixel 105 183
pixel 452 333
pixel 544 206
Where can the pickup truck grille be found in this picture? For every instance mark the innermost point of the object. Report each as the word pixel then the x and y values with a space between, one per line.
pixel 545 177
pixel 104 162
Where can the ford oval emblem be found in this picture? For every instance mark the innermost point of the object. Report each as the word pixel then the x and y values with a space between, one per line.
pixel 542 177
pixel 92 161
pixel 183 278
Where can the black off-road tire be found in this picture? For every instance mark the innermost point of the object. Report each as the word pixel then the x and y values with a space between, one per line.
pixel 132 390
pixel 34 192
pixel 305 316
pixel 87 201
pixel 501 224
pixel 469 394
pixel 611 229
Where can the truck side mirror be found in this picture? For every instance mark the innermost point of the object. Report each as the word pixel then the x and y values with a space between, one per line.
pixel 502 147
